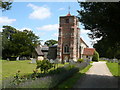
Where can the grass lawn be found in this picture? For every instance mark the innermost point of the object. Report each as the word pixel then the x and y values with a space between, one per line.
pixel 113 67
pixel 10 68
pixel 72 80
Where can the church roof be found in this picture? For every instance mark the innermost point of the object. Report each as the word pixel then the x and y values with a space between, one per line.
pixel 68 14
pixel 45 47
pixel 38 50
pixel 81 40
pixel 88 51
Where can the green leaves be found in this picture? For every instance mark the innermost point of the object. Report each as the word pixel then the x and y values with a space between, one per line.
pixel 44 65
pixel 5 5
pixel 102 19
pixel 18 43
pixel 51 42
pixel 95 56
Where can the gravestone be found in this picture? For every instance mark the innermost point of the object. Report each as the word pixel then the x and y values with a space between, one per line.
pixel 33 60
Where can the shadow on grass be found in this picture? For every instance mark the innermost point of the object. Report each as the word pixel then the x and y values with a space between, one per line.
pixel 97 81
pixel 68 83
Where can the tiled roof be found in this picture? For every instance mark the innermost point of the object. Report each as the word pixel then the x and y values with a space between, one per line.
pixel 88 51
pixel 45 47
pixel 68 14
pixel 38 50
pixel 81 40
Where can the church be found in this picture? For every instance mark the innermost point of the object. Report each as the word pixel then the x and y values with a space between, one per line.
pixel 70 45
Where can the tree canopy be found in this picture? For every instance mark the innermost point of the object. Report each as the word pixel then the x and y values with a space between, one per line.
pixel 18 43
pixel 102 19
pixel 5 5
pixel 50 42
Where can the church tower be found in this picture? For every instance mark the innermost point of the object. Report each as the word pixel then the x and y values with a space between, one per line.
pixel 69 38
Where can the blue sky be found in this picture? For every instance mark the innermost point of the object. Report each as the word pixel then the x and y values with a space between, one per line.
pixel 41 17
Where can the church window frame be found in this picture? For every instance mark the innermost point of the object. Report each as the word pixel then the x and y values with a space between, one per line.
pixel 66 49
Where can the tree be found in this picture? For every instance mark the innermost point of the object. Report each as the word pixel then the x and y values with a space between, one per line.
pixel 102 19
pixel 6 40
pixel 106 50
pixel 50 42
pixel 5 5
pixel 18 43
pixel 95 56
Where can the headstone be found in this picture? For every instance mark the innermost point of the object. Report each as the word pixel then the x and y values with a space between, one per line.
pixel 51 61
pixel 8 59
pixel 17 59
pixel 33 60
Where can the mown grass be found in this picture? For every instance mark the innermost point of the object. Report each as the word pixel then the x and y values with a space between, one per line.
pixel 69 83
pixel 114 68
pixel 10 68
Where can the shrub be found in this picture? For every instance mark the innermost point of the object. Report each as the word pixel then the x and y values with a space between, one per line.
pixel 80 60
pixel 95 56
pixel 44 65
pixel 49 81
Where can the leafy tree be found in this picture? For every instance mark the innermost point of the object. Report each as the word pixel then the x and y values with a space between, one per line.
pixel 50 42
pixel 105 49
pixel 18 43
pixel 5 5
pixel 102 19
pixel 6 40
pixel 95 56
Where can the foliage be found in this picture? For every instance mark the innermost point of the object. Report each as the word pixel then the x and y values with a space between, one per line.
pixel 114 67
pixel 102 19
pixel 80 60
pixel 18 43
pixel 49 81
pixel 18 79
pixel 107 50
pixel 5 5
pixel 44 65
pixel 95 56
pixel 50 42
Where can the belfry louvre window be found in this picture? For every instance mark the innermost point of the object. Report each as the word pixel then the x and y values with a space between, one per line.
pixel 66 49
pixel 67 20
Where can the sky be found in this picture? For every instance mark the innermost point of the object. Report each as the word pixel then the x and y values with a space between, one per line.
pixel 42 18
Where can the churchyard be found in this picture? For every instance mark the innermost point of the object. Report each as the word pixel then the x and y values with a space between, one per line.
pixel 62 76
pixel 14 72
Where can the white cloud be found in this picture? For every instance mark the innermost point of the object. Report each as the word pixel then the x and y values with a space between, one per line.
pixel 39 12
pixel 61 9
pixel 49 27
pixel 83 31
pixel 6 20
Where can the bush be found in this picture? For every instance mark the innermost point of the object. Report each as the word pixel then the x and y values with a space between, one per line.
pixel 49 81
pixel 80 60
pixel 44 65
pixel 95 56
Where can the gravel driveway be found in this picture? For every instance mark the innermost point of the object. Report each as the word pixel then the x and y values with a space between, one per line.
pixel 98 76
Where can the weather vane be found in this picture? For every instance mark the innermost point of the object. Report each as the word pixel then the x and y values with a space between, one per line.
pixel 69 9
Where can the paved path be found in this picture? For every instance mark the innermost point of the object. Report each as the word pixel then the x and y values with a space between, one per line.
pixel 98 76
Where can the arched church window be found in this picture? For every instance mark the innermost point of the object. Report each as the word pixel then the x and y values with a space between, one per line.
pixel 66 49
